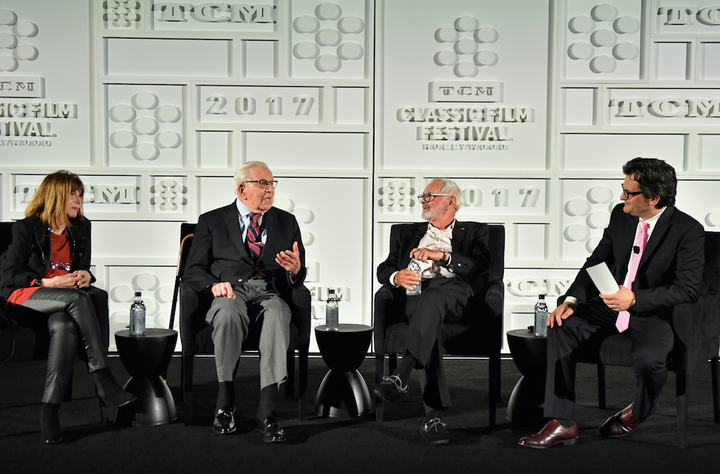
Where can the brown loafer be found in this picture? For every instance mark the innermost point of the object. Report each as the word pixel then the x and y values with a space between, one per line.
pixel 622 423
pixel 553 433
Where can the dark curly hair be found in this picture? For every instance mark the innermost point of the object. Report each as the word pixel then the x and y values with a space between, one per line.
pixel 655 177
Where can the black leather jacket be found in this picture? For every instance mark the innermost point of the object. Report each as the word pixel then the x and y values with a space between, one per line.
pixel 28 257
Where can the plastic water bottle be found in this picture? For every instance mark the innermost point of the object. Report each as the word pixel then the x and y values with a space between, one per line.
pixel 331 312
pixel 541 316
pixel 137 316
pixel 414 266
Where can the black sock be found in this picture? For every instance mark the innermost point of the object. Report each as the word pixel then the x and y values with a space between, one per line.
pixel 226 396
pixel 566 423
pixel 430 414
pixel 406 365
pixel 268 402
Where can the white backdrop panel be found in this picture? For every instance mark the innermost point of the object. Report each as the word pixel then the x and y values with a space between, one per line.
pixel 608 152
pixel 464 44
pixel 50 124
pixel 308 151
pixel 168 57
pixel 134 241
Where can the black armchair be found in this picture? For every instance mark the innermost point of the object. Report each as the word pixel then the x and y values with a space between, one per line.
pixel 196 335
pixel 479 333
pixel 696 326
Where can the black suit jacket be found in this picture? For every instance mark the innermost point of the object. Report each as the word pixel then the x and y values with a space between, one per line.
pixel 671 267
pixel 218 253
pixel 470 259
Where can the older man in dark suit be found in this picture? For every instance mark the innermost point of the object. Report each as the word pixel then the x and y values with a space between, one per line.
pixel 656 255
pixel 248 252
pixel 453 258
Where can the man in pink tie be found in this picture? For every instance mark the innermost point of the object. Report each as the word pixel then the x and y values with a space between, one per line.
pixel 656 254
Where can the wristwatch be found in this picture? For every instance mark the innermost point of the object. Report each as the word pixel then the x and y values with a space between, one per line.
pixel 633 306
pixel 445 258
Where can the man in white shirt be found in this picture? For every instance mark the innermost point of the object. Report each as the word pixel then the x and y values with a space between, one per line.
pixel 454 258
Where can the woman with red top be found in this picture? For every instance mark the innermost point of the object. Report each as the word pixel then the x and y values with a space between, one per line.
pixel 47 269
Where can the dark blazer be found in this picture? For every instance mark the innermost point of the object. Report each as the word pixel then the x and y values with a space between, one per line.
pixel 28 257
pixel 218 253
pixel 671 267
pixel 470 258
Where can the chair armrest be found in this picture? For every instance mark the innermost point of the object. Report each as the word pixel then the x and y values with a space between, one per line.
pixel 189 304
pixel 696 327
pixel 386 309
pixel 302 314
pixel 495 298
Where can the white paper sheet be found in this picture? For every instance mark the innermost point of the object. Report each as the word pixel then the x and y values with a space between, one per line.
pixel 603 279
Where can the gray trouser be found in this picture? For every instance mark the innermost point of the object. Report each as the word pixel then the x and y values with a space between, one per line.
pixel 230 322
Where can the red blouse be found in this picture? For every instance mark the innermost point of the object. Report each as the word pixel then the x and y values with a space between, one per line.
pixel 60 263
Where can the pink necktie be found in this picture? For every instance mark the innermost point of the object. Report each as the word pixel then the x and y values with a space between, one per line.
pixel 623 319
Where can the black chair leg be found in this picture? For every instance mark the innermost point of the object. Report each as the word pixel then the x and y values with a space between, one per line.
pixel 290 383
pixel 379 372
pixel 302 383
pixel 493 387
pixel 186 386
pixel 681 392
pixel 716 398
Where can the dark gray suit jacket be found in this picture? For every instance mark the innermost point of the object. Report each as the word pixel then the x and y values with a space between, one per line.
pixel 218 253
pixel 671 267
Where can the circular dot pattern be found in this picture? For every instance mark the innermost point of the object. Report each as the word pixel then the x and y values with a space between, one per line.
pixel 13 34
pixel 603 29
pixel 328 47
pixel 467 37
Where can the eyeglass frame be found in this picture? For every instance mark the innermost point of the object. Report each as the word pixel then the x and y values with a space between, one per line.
pixel 259 182
pixel 422 197
pixel 629 194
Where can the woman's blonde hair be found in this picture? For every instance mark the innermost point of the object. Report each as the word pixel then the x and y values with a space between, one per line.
pixel 49 204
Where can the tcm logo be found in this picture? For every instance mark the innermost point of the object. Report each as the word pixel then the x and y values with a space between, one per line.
pixel 26 87
pixel 215 12
pixel 466 91
pixel 682 15
pixel 534 287
pixel 95 194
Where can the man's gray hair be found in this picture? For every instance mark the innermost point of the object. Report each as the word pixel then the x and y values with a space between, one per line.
pixel 451 187
pixel 243 172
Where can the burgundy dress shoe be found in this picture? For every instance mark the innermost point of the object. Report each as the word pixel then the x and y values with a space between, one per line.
pixel 553 433
pixel 622 423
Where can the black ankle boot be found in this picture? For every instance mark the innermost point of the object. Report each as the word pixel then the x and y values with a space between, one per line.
pixel 109 391
pixel 50 424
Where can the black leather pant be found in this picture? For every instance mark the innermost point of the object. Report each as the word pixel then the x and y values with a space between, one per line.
pixel 73 316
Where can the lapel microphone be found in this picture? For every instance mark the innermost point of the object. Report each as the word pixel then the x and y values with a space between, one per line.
pixel 636 249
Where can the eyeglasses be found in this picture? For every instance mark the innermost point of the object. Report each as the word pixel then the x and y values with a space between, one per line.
pixel 629 194
pixel 264 183
pixel 429 197
pixel 65 266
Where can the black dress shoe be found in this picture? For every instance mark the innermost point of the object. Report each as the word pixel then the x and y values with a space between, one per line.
pixel 434 432
pixel 224 421
pixel 271 430
pixel 391 389
pixel 622 423
pixel 552 433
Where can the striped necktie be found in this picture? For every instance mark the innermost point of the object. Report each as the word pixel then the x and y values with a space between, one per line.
pixel 254 237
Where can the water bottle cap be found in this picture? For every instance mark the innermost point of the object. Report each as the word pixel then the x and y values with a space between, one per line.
pixel 138 293
pixel 542 296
